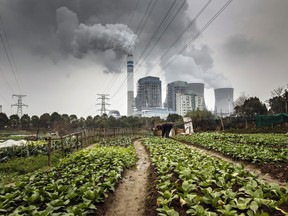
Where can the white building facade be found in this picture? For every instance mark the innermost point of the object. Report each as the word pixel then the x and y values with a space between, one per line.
pixel 183 104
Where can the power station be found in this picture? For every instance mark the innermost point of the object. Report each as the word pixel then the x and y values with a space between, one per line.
pixel 224 101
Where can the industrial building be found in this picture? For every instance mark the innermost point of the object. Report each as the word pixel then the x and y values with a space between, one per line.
pixel 224 101
pixel 195 90
pixel 149 93
pixel 172 89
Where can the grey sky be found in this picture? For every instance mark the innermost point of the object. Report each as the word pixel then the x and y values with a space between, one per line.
pixel 66 52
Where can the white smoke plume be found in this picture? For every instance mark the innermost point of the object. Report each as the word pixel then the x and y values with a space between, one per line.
pixel 82 39
pixel 117 37
pixel 192 72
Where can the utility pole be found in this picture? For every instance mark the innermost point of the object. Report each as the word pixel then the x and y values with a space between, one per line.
pixel 103 103
pixel 0 108
pixel 19 104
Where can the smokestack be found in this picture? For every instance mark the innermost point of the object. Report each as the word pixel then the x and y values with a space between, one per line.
pixel 130 85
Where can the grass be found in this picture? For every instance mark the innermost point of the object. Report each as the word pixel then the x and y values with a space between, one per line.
pixel 12 170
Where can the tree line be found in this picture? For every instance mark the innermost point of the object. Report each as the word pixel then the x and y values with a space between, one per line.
pixel 244 107
pixel 65 123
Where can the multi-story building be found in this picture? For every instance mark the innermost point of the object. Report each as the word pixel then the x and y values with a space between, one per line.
pixel 199 103
pixel 195 90
pixel 183 104
pixel 149 93
pixel 172 89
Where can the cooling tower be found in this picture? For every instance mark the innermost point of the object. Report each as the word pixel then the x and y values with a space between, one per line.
pixel 224 101
pixel 196 88
pixel 130 86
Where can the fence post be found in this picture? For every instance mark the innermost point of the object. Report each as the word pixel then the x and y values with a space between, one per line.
pixel 49 151
pixel 62 146
pixel 77 141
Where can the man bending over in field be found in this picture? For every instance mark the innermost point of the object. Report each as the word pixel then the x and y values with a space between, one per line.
pixel 166 128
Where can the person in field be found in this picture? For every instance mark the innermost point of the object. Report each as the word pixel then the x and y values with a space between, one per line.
pixel 165 128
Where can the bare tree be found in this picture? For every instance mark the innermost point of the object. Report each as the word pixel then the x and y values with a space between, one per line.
pixel 240 100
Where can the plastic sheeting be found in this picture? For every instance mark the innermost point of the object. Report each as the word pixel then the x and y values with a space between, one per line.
pixel 9 143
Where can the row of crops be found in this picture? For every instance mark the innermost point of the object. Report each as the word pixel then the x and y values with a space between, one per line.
pixel 250 147
pixel 34 148
pixel 75 186
pixel 197 184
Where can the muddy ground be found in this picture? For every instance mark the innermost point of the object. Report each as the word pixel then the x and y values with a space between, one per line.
pixel 136 194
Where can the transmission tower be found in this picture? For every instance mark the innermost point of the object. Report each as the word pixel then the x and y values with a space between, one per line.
pixel 19 104
pixel 103 103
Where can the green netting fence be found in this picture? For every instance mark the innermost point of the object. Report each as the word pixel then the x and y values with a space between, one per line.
pixel 270 120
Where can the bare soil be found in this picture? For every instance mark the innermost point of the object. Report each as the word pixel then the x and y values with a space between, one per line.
pixel 136 194
pixel 129 198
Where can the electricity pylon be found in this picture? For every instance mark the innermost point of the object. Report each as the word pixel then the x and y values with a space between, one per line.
pixel 103 103
pixel 19 104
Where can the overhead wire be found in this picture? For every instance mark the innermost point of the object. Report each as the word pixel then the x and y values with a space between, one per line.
pixel 148 12
pixel 7 54
pixel 197 34
pixel 173 18
pixel 159 38
pixel 142 23
pixel 192 22
pixel 6 81
pixel 123 58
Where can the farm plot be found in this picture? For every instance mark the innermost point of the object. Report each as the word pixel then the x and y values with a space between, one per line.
pixel 74 187
pixel 192 183
pixel 268 152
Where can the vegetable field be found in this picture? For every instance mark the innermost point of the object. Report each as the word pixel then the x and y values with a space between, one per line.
pixel 180 180
pixel 74 187
pixel 267 151
pixel 193 183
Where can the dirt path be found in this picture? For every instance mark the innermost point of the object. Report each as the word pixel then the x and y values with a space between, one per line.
pixel 247 166
pixel 131 192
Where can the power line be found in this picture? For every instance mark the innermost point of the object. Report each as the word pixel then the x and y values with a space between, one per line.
pixel 7 54
pixel 6 80
pixel 159 38
pixel 197 34
pixel 165 17
pixel 140 25
pixel 123 57
pixel 192 22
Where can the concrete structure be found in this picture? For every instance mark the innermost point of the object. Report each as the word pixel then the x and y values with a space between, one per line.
pixel 149 93
pixel 199 103
pixel 223 101
pixel 195 90
pixel 183 104
pixel 130 84
pixel 114 113
pixel 172 89
pixel 154 112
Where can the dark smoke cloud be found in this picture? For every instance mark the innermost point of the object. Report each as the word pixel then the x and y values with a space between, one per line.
pixel 60 28
pixel 242 46
pixel 82 39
